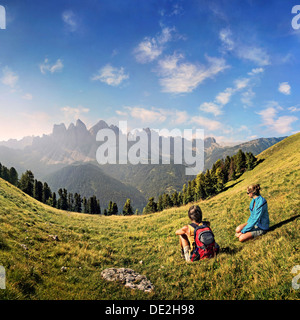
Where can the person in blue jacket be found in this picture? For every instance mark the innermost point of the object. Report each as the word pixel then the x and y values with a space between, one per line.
pixel 258 222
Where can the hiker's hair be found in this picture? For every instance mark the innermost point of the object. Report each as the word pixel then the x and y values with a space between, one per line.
pixel 254 188
pixel 195 213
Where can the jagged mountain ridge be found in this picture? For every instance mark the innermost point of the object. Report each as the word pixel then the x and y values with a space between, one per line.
pixel 77 145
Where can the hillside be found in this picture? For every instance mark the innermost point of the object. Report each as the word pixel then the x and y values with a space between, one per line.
pixel 89 180
pixel 258 269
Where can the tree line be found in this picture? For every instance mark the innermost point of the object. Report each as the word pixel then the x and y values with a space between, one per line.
pixel 206 184
pixel 64 200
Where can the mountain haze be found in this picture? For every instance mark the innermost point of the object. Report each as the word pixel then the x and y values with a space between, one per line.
pixel 46 156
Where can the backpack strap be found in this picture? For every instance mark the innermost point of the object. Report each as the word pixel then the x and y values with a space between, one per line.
pixel 194 225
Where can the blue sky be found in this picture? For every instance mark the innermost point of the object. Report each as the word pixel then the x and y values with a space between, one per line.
pixel 229 67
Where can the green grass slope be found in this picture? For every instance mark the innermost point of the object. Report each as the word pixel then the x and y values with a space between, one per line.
pixel 257 269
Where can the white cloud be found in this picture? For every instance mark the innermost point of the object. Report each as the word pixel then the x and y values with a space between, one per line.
pixel 243 51
pixel 255 71
pixel 247 97
pixel 73 114
pixel 151 48
pixel 294 108
pixel 154 115
pixel 206 123
pixel 180 117
pixel 225 36
pixel 211 107
pixel 147 116
pixel 69 19
pixel 47 67
pixel 281 124
pixel 27 96
pixel 182 77
pixel 284 88
pixel 254 54
pixel 9 77
pixel 111 75
pixel 224 97
pixel 121 113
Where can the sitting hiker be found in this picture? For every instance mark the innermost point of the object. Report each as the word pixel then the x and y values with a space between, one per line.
pixel 258 222
pixel 196 239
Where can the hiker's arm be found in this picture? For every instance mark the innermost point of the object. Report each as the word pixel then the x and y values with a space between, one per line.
pixel 181 231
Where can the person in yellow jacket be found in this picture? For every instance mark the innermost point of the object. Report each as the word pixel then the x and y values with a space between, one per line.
pixel 186 233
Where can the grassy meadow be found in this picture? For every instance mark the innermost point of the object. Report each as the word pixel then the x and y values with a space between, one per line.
pixel 87 244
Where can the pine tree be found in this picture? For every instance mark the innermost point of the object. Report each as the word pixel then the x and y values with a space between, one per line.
pixel 127 209
pixel 85 205
pixel 219 180
pixel 166 201
pixel 250 161
pixel 110 208
pixel 115 209
pixel 62 202
pixel 151 206
pixel 98 208
pixel 46 192
pixel 199 189
pixel 208 185
pixel 13 176
pixel 26 182
pixel 240 160
pixel 77 202
pixel 54 201
pixel 70 202
pixel 226 168
pixel 174 199
pixel 38 190
pixel 160 203
pixel 232 172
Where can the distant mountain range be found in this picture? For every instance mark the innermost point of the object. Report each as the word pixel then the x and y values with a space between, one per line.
pixel 67 158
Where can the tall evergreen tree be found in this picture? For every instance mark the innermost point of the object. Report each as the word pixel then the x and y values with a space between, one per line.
pixel 13 176
pixel 240 161
pixel 46 192
pixel 26 182
pixel 38 190
pixel 208 184
pixel 200 190
pixel 77 202
pixel 232 171
pixel 174 199
pixel 127 209
pixel 85 205
pixel 250 161
pixel 160 203
pixel 151 206
pixel 62 202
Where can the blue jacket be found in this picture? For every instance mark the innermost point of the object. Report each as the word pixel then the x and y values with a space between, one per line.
pixel 259 215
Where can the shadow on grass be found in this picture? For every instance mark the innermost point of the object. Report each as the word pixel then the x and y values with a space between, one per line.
pixel 280 224
pixel 229 250
pixel 226 188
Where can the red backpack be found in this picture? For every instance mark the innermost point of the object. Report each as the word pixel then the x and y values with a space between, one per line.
pixel 205 245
